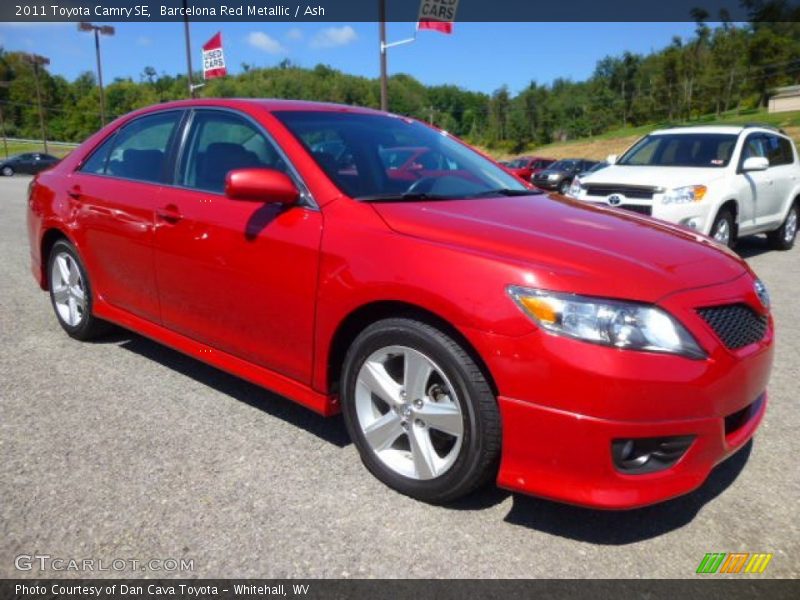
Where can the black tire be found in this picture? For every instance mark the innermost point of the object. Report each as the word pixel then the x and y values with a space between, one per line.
pixel 89 326
pixel 778 238
pixel 478 457
pixel 563 187
pixel 7 171
pixel 725 217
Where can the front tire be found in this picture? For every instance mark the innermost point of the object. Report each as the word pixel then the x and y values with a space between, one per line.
pixel 563 187
pixel 420 411
pixel 783 238
pixel 724 228
pixel 71 293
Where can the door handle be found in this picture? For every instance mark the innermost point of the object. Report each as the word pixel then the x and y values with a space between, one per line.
pixel 169 213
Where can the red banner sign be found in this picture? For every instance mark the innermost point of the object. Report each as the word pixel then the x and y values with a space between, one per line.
pixel 213 58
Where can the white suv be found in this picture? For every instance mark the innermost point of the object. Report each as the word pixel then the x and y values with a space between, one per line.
pixel 725 182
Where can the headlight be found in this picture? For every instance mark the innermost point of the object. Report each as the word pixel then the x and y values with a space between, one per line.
pixel 608 322
pixel 576 188
pixel 552 176
pixel 683 195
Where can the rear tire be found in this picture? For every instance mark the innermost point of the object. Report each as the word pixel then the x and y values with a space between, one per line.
pixel 7 171
pixel 420 411
pixel 71 293
pixel 724 228
pixel 783 238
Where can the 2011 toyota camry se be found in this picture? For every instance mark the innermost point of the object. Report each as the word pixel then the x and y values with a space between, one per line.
pixel 468 329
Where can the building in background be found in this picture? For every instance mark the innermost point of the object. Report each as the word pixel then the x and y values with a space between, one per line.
pixel 785 99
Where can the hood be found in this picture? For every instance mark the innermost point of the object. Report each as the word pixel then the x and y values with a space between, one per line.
pixel 666 177
pixel 570 246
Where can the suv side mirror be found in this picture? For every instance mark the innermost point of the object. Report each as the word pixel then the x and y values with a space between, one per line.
pixel 755 163
pixel 611 159
pixel 260 185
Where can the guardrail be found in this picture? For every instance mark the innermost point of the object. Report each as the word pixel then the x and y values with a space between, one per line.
pixel 40 142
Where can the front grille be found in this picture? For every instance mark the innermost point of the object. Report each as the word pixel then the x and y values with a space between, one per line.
pixel 639 192
pixel 637 208
pixel 737 325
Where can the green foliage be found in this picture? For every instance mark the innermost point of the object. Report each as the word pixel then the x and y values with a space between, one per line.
pixel 730 68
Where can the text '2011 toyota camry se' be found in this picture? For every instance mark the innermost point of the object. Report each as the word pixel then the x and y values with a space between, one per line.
pixel 468 329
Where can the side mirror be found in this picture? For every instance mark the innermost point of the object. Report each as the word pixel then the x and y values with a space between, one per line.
pixel 260 185
pixel 755 163
pixel 612 159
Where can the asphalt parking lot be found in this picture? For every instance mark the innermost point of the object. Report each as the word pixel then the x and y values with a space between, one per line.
pixel 125 449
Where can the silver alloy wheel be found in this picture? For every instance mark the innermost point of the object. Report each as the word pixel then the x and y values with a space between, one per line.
pixel 8 171
pixel 409 412
pixel 69 293
pixel 791 226
pixel 723 232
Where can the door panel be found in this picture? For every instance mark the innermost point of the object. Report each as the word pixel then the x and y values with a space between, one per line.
pixel 116 191
pixel 240 276
pixel 117 220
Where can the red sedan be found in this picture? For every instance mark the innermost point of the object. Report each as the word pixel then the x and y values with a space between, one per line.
pixel 468 330
pixel 526 167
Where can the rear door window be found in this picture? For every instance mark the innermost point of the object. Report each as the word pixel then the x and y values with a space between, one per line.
pixel 139 150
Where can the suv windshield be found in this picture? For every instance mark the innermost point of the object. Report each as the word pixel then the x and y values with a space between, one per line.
pixel 384 157
pixel 681 150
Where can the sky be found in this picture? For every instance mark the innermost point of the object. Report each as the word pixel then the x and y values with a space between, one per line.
pixel 478 56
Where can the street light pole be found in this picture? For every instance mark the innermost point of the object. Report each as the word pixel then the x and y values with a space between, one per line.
pixel 384 79
pixel 36 61
pixel 188 49
pixel 104 30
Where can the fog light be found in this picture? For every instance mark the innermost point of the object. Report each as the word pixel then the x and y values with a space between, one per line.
pixel 693 222
pixel 646 455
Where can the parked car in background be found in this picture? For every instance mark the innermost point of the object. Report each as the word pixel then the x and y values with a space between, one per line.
pixel 28 163
pixel 559 175
pixel 469 329
pixel 599 166
pixel 526 167
pixel 723 181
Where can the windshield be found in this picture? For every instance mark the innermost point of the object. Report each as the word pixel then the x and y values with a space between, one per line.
pixel 681 150
pixel 562 165
pixel 384 157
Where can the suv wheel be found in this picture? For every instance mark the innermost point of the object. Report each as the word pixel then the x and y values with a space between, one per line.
pixel 723 229
pixel 420 411
pixel 783 238
pixel 70 293
pixel 7 171
pixel 563 187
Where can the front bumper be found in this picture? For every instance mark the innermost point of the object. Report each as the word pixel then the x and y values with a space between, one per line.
pixel 570 460
pixel 563 402
pixel 698 216
pixel 546 184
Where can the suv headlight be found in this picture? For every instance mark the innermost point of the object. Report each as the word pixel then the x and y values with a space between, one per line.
pixel 576 188
pixel 552 176
pixel 684 195
pixel 607 322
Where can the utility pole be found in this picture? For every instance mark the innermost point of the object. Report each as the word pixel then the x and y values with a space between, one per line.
pixel 384 79
pixel 98 30
pixel 36 61
pixel 4 84
pixel 188 49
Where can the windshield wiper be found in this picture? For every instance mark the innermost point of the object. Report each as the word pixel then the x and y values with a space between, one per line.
pixel 400 197
pixel 505 192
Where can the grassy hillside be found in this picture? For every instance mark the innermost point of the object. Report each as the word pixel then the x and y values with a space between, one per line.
pixel 19 147
pixel 615 142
